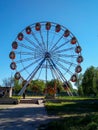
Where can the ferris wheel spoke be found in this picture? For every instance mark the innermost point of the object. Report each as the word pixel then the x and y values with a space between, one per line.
pixel 52 40
pixel 31 76
pixel 46 72
pixel 54 73
pixel 26 47
pixel 64 68
pixel 33 44
pixel 67 62
pixel 58 71
pixel 40 72
pixel 57 48
pixel 25 60
pixel 57 56
pixel 47 40
pixel 43 43
pixel 24 53
pixel 67 56
pixel 65 50
pixel 63 78
pixel 51 68
pixel 35 53
pixel 32 64
pixel 40 45
pixel 53 47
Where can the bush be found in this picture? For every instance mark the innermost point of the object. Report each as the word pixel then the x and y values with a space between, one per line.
pixel 86 120
pixel 92 126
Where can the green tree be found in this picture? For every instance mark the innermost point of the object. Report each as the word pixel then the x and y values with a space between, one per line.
pixel 90 81
pixel 78 84
pixel 17 86
pixel 80 91
pixel 79 80
pixel 95 81
pixel 12 82
pixel 55 83
pixel 8 82
pixel 37 86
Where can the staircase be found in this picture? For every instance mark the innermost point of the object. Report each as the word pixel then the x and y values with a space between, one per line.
pixel 31 101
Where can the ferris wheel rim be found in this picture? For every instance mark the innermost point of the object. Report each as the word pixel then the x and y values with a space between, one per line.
pixel 47 54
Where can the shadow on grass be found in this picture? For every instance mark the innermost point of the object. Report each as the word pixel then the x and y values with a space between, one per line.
pixel 88 122
pixel 75 107
pixel 74 115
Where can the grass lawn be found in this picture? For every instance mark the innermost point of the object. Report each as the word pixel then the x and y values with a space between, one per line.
pixel 75 114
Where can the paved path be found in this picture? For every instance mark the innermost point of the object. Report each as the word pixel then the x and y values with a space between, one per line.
pixel 22 117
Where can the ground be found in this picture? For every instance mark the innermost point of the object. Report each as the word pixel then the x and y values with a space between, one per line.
pixel 23 116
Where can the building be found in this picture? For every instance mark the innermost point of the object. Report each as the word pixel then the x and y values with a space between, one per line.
pixel 5 91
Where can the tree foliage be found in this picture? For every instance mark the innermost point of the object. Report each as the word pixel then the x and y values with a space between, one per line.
pixel 87 84
pixel 78 84
pixel 55 83
pixel 37 86
pixel 79 80
pixel 8 82
pixel 17 86
pixel 90 82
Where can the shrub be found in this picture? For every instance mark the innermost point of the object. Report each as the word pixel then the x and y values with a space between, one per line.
pixel 92 126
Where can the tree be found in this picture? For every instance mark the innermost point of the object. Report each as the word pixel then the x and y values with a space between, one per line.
pixel 79 80
pixel 17 86
pixel 8 82
pixel 95 81
pixel 78 84
pixel 12 82
pixel 90 81
pixel 80 91
pixel 55 83
pixel 37 86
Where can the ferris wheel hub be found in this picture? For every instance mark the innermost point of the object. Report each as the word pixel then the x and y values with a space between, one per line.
pixel 47 55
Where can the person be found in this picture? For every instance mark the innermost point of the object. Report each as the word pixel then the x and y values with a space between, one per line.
pixel 24 95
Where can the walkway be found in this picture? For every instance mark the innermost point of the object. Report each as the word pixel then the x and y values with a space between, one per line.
pixel 22 117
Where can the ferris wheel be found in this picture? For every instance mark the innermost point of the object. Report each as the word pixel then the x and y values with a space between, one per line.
pixel 46 51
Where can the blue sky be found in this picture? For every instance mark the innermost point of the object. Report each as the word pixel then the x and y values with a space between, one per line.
pixel 79 16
